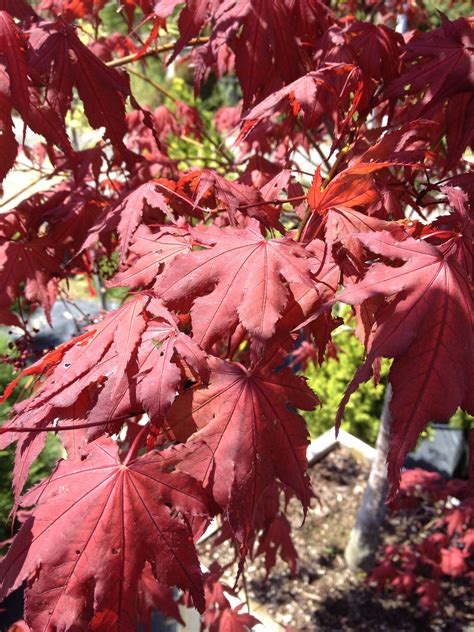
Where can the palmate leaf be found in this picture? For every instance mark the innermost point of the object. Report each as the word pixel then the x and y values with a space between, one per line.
pixel 14 83
pixel 238 279
pixel 230 196
pixel 150 253
pixel 234 415
pixel 265 44
pixel 13 54
pixel 31 262
pixel 261 33
pixel 427 329
pixel 59 58
pixel 126 215
pixel 377 48
pixel 18 8
pixel 129 363
pixel 352 187
pixel 445 67
pixel 442 70
pixel 305 301
pixel 9 143
pixel 96 524
pixel 313 95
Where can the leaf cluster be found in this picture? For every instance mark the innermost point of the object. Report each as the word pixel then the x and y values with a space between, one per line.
pixel 442 551
pixel 181 404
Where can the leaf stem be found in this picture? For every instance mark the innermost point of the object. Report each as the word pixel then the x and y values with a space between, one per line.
pixel 25 429
pixel 332 173
pixel 181 197
pixel 132 451
pixel 297 198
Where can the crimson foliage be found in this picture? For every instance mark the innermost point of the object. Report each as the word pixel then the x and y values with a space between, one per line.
pixel 177 406
pixel 444 547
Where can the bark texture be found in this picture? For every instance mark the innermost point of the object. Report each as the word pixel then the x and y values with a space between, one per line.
pixel 364 538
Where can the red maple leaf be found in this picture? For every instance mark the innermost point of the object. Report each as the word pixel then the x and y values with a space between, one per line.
pixel 277 539
pixel 129 363
pixel 430 593
pixel 430 372
pixel 238 279
pixel 234 414
pixel 350 188
pixel 14 84
pixel 90 569
pixel 60 58
pixel 453 562
pixel 31 262
pixel 153 596
pixel 18 8
pixel 9 143
pixel 126 215
pixel 13 51
pixel 150 254
pixel 73 8
pixel 446 65
pixel 306 301
pixel 377 48
pixel 313 95
pixel 233 620
pixel 442 71
pixel 231 196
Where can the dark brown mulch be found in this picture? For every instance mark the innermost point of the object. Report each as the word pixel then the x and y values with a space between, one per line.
pixel 325 595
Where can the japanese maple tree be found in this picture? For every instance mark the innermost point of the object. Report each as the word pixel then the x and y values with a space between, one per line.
pixel 341 176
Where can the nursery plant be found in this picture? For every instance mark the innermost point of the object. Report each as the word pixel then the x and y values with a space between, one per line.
pixel 341 176
pixel 441 549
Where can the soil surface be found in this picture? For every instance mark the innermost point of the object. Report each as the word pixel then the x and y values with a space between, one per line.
pixel 324 595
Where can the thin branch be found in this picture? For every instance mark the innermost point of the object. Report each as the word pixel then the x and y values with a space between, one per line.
pixel 24 189
pixel 297 198
pixel 228 158
pixel 130 59
pixel 205 159
pixel 246 592
pixel 322 156
pixel 152 83
pixel 219 148
pixel 181 197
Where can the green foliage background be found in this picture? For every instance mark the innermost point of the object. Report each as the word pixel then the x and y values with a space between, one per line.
pixel 330 381
pixel 40 468
pixel 363 411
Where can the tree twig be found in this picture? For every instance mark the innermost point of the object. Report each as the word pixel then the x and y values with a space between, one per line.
pixel 24 189
pixel 152 83
pixel 130 59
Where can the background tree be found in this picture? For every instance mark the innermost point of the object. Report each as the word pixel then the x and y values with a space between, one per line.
pixel 344 164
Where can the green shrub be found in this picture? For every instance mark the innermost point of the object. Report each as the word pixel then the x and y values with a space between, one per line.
pixel 363 411
pixel 330 381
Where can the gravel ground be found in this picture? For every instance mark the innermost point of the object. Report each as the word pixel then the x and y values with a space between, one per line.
pixel 324 595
